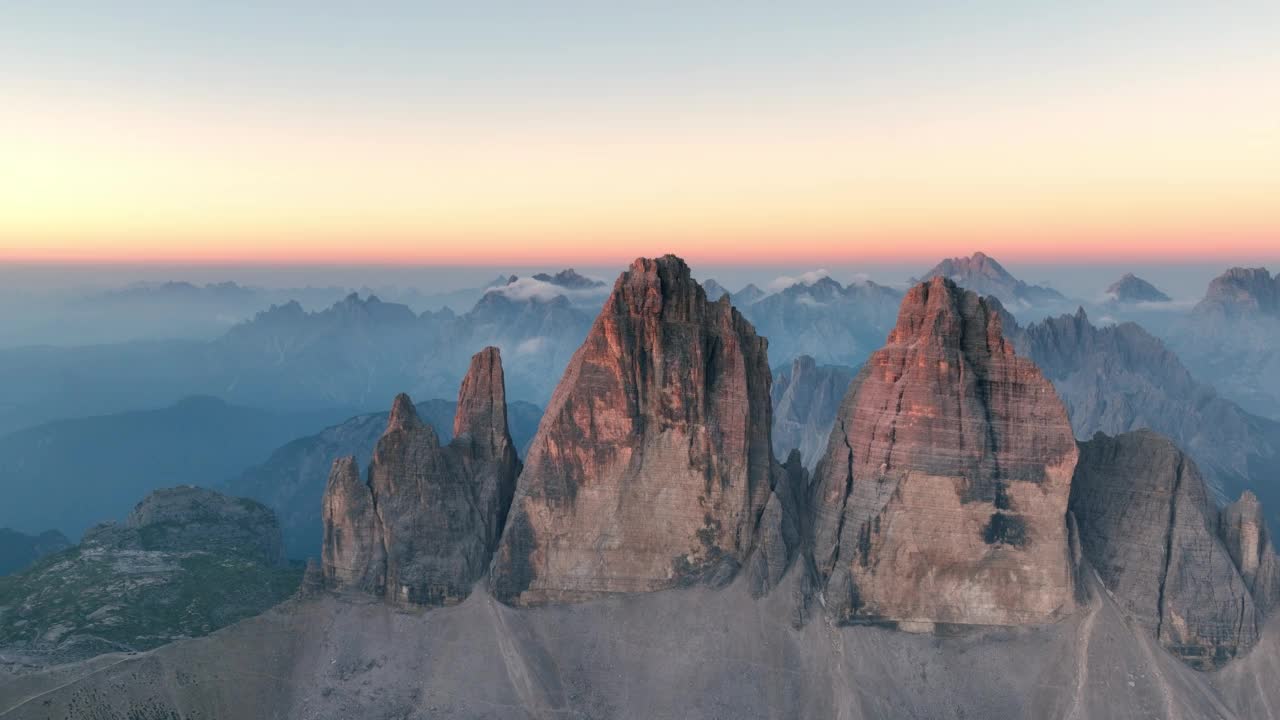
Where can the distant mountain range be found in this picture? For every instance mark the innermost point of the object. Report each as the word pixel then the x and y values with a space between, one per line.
pixel 983 275
pixel 289 358
pixel 71 474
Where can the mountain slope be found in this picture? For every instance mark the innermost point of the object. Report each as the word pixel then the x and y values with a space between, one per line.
pixel 186 562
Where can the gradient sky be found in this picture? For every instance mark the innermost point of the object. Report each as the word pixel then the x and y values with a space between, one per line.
pixel 587 133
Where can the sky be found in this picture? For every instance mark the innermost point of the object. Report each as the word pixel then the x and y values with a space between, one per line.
pixel 484 133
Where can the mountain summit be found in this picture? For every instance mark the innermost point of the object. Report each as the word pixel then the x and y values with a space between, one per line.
pixel 942 496
pixel 422 529
pixel 982 274
pixel 652 465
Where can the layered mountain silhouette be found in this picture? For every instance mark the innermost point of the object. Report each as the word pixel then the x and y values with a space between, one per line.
pixel 70 474
pixel 956 552
pixel 289 358
pixel 1120 378
pixel 982 274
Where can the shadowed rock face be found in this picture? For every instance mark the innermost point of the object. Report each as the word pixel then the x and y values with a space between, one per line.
pixel 1243 529
pixel 652 466
pixel 1147 528
pixel 942 496
pixel 805 402
pixel 423 528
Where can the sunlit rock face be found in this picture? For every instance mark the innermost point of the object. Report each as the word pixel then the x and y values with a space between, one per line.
pixel 423 529
pixel 652 467
pixel 942 496
pixel 1148 528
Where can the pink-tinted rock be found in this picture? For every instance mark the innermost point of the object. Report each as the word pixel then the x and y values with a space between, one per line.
pixel 943 493
pixel 652 466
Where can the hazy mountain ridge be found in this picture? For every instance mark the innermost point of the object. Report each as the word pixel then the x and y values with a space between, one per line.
pixel 71 474
pixel 286 357
pixel 1120 378
pixel 983 275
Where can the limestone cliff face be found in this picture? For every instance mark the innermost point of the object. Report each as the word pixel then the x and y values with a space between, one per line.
pixel 652 466
pixel 1147 528
pixel 942 495
pixel 423 528
pixel 1243 530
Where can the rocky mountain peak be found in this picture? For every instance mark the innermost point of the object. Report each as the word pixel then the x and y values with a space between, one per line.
pixel 1243 530
pixel 422 529
pixel 482 401
pixel 982 274
pixel 1132 289
pixel 404 416
pixel 652 463
pixel 951 465
pixel 570 279
pixel 1242 291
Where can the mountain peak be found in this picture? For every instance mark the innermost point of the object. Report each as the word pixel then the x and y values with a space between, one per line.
pixel 982 274
pixel 1132 289
pixel 482 401
pixel 1242 292
pixel 569 279
pixel 652 466
pixel 404 416
pixel 951 466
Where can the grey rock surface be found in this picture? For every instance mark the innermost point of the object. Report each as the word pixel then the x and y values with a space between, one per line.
pixel 1148 529
pixel 423 528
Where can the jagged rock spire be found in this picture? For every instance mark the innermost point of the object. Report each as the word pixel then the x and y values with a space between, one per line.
pixel 422 530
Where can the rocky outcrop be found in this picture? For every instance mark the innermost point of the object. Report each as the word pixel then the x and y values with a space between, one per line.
pixel 1148 529
pixel 806 398
pixel 292 480
pixel 1241 292
pixel 942 496
pixel 652 467
pixel 193 518
pixel 422 530
pixel 185 562
pixel 983 275
pixel 1243 531
pixel 1132 289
